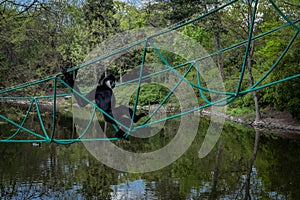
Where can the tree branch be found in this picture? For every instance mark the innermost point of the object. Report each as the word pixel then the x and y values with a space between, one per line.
pixel 26 7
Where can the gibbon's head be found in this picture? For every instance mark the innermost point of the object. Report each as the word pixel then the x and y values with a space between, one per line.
pixel 110 81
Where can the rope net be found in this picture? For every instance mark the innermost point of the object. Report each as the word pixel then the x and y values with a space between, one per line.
pixel 46 132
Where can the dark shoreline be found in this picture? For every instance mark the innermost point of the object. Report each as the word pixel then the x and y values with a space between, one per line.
pixel 274 122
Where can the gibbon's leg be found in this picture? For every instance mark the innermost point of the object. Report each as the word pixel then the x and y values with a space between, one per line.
pixel 136 117
pixel 82 102
pixel 122 110
pixel 124 115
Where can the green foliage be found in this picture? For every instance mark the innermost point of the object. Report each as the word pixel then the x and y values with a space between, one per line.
pixel 283 96
pixel 129 16
pixel 179 10
pixel 242 106
pixel 38 39
pixel 199 34
pixel 152 93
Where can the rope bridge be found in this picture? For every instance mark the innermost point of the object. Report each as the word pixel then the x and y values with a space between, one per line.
pixel 226 97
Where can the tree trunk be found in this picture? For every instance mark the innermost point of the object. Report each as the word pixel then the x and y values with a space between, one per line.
pixel 251 163
pixel 251 81
pixel 214 190
pixel 217 29
pixel 219 56
pixel 250 64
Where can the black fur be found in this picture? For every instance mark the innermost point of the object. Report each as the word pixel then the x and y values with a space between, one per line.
pixel 69 77
pixel 105 100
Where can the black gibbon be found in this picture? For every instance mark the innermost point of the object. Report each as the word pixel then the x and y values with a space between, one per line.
pixel 104 99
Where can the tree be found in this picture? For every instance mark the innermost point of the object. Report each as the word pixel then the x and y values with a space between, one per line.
pixel 99 17
pixel 239 27
pixel 250 58
pixel 179 10
pixel 214 25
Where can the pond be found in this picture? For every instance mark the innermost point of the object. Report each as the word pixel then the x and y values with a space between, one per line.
pixel 244 164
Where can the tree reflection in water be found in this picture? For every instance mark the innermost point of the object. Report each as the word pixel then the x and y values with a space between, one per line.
pixel 235 169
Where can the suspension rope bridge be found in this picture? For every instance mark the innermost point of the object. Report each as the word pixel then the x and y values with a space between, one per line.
pixel 227 97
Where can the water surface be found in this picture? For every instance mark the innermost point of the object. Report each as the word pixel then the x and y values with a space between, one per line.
pixel 244 164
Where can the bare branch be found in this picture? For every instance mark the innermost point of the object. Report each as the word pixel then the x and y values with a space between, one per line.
pixel 27 7
pixel 2 2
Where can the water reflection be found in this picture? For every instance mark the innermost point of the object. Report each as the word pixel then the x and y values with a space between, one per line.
pixel 245 164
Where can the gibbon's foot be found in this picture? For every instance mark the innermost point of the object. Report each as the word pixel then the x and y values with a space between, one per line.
pixel 121 134
pixel 138 117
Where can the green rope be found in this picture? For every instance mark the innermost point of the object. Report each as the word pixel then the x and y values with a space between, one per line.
pixel 21 127
pixel 205 57
pixel 123 49
pixel 247 50
pixel 54 108
pixel 284 16
pixel 138 88
pixel 164 60
pixel 192 20
pixel 277 61
pixel 93 104
pixel 227 97
pixel 168 95
pixel 23 122
pixel 26 85
pixel 199 85
pixel 41 120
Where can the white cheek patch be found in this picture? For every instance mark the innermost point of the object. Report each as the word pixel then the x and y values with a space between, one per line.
pixel 108 84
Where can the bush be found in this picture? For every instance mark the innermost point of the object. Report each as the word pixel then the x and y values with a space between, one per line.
pixel 152 93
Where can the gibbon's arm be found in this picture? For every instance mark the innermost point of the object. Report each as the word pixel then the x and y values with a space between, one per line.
pixel 82 102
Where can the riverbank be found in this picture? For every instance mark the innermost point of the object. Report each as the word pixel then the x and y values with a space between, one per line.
pixel 271 120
